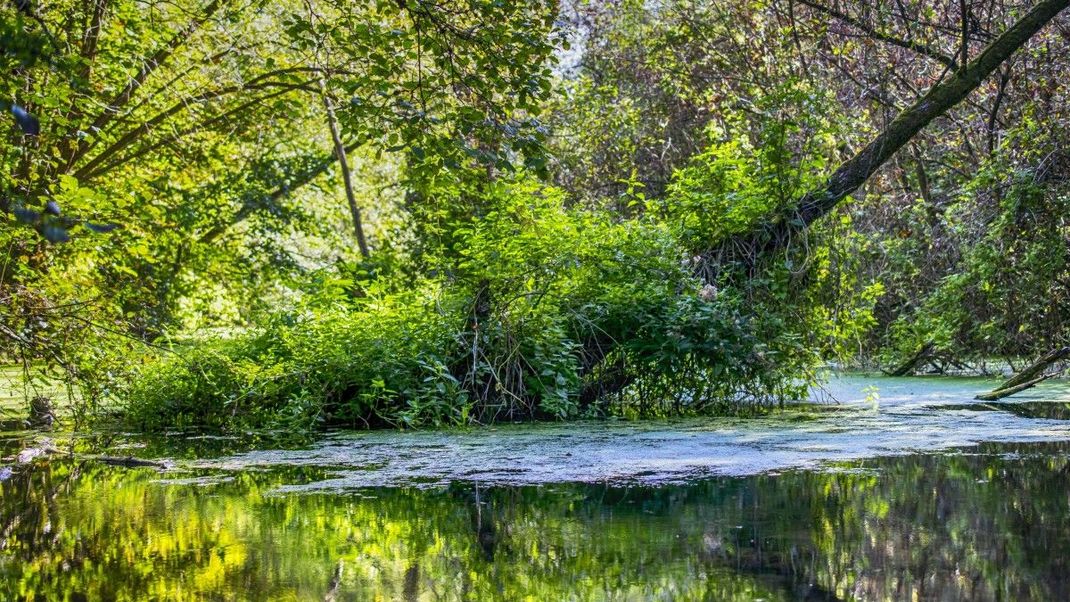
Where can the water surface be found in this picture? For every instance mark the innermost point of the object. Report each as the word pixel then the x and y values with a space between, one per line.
pixel 912 491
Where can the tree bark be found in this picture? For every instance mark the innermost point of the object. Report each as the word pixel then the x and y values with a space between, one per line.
pixel 852 174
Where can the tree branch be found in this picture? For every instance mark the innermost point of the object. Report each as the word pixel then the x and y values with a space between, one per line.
pixel 152 146
pixel 148 67
pixel 141 129
pixel 916 47
pixel 248 209
pixel 343 164
pixel 852 174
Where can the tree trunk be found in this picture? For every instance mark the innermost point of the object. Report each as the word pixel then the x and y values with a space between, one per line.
pixel 347 178
pixel 852 174
pixel 1028 376
pixel 1002 392
pixel 1038 366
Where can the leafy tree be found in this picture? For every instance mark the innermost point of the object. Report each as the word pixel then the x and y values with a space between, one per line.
pixel 197 128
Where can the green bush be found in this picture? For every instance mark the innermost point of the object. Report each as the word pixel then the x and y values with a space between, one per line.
pixel 541 311
pixel 341 365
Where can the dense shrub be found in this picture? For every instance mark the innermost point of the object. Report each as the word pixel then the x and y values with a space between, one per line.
pixel 542 312
pixel 1009 295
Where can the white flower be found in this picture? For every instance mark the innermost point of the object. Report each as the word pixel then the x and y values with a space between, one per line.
pixel 708 293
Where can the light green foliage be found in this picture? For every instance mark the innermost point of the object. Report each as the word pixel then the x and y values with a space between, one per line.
pixel 813 300
pixel 542 311
pixel 538 309
pixel 377 364
pixel 197 130
pixel 754 167
pixel 210 275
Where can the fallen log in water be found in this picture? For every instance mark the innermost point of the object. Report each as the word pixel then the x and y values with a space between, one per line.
pixel 913 361
pixel 46 448
pixel 1028 377
pixel 1000 393
pixel 127 461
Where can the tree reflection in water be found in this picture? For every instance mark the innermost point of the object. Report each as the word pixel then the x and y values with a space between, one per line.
pixel 986 523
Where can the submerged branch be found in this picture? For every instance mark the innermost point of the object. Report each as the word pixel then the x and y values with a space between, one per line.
pixel 1028 376
pixel 908 366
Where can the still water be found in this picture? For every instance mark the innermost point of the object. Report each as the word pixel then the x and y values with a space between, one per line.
pixel 910 491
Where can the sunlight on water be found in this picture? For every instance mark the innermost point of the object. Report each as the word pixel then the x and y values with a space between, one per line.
pixel 815 504
pixel 911 415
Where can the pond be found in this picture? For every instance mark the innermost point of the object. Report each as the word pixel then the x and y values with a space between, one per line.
pixel 907 491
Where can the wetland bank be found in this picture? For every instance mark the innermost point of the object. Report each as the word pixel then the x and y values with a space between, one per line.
pixel 472 299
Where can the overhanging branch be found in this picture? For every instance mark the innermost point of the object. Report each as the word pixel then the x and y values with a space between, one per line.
pixel 853 173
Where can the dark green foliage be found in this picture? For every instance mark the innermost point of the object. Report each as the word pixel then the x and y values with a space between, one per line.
pixel 1009 295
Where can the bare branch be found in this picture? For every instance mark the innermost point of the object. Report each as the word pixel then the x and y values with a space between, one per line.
pixel 916 47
